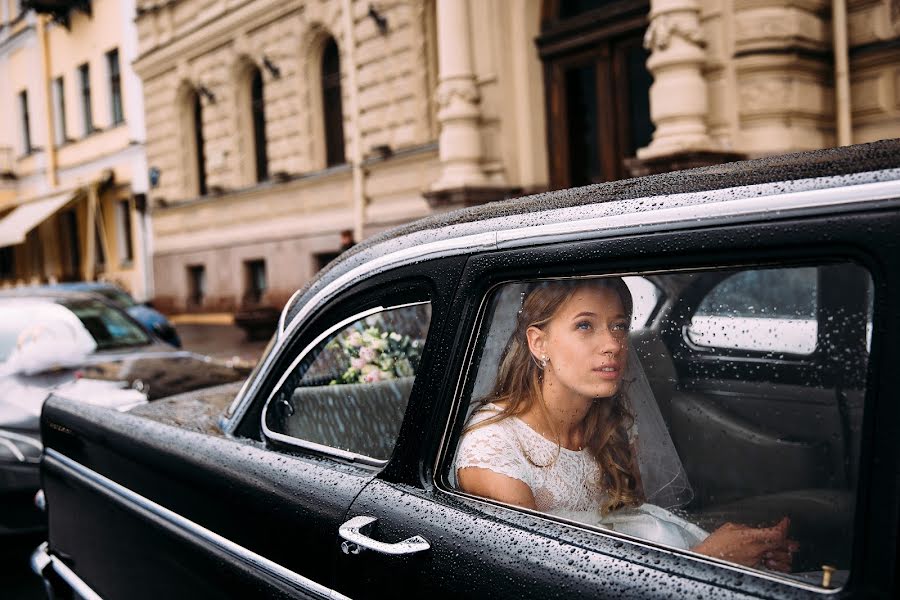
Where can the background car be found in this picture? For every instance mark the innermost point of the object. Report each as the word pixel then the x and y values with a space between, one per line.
pixel 86 349
pixel 153 320
pixel 766 333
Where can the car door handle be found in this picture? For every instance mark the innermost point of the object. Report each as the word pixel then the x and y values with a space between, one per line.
pixel 355 539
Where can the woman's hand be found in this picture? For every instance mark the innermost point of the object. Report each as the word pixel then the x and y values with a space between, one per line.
pixel 767 547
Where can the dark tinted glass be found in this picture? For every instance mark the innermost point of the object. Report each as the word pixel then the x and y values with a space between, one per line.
pixel 109 327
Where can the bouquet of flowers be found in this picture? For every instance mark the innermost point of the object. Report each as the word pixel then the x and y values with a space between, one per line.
pixel 376 355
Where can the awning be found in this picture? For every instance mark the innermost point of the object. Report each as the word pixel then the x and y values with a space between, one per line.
pixel 25 217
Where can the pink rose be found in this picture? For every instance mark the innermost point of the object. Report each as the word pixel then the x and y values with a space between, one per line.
pixel 373 376
pixel 366 355
pixel 357 363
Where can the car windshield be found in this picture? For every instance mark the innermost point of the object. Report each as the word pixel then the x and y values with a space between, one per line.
pixel 109 327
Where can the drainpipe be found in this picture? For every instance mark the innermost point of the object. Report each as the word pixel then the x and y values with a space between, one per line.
pixel 359 193
pixel 50 145
pixel 841 72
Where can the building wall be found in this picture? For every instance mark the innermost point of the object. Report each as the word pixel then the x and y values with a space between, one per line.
pixel 764 85
pixel 305 207
pixel 34 51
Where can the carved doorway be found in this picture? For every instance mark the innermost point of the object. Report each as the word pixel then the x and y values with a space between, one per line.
pixel 597 87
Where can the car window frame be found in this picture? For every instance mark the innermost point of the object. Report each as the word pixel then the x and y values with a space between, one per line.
pixel 286 440
pixel 467 373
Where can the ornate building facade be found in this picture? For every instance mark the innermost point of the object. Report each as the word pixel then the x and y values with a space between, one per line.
pixel 274 126
pixel 73 174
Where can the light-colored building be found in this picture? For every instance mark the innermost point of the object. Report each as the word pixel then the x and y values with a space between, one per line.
pixel 73 174
pixel 274 125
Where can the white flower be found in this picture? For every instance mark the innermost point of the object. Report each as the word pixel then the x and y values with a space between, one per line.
pixel 396 336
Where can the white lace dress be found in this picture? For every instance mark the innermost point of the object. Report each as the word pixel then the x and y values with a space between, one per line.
pixel 569 481
pixel 567 487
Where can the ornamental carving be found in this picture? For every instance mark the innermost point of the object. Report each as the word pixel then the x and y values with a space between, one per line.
pixel 461 89
pixel 664 27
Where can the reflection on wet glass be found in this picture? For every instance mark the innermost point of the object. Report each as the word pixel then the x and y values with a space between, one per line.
pixel 350 392
pixel 744 395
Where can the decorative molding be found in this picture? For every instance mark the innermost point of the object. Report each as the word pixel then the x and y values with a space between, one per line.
pixel 765 94
pixel 462 89
pixel 665 27
pixel 450 198
pixel 679 161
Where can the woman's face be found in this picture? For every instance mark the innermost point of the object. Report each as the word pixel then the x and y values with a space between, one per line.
pixel 585 342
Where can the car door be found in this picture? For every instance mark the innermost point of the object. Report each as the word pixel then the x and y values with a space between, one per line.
pixel 411 530
pixel 153 511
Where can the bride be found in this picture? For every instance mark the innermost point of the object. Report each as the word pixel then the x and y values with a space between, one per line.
pixel 556 434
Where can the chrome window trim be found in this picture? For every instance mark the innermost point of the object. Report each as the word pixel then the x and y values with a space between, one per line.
pixel 445 453
pixel 42 557
pixel 677 218
pixel 135 501
pixel 307 445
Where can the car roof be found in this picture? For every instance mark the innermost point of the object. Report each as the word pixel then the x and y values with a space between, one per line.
pixel 829 168
pixel 47 293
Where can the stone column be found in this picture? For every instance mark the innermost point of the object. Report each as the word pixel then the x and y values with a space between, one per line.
pixel 462 180
pixel 678 100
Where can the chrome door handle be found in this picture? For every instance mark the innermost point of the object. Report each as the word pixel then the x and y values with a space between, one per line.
pixel 355 539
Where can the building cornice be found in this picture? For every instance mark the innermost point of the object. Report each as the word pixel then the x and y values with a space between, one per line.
pixel 211 33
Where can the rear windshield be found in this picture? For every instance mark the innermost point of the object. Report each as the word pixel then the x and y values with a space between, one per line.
pixel 109 327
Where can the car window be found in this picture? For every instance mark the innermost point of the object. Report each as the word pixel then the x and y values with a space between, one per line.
pixel 764 310
pixel 109 327
pixel 560 416
pixel 646 298
pixel 348 391
pixel 117 296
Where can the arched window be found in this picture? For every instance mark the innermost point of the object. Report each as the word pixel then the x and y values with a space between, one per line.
pixel 258 110
pixel 331 104
pixel 597 83
pixel 199 153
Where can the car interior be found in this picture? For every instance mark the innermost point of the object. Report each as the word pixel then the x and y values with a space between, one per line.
pixel 765 418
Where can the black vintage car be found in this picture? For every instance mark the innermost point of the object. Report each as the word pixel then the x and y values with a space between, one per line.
pixel 763 338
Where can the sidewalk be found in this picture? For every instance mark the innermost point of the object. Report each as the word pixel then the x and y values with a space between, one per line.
pixel 202 319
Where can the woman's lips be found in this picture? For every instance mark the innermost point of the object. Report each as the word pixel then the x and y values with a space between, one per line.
pixel 608 371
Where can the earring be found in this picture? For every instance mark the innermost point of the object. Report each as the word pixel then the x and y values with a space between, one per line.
pixel 544 360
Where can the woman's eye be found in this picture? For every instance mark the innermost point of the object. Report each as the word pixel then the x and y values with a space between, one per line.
pixel 583 325
pixel 622 326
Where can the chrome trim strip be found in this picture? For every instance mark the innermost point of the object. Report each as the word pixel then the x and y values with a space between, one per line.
pixel 698 214
pixel 634 222
pixel 297 442
pixel 135 500
pixel 42 557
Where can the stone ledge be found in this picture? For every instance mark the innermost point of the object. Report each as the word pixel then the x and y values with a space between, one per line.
pixel 679 161
pixel 464 196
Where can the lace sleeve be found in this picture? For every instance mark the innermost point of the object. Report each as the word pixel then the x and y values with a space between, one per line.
pixel 493 447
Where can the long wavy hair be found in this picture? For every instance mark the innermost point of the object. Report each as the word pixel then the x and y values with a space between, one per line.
pixel 518 389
